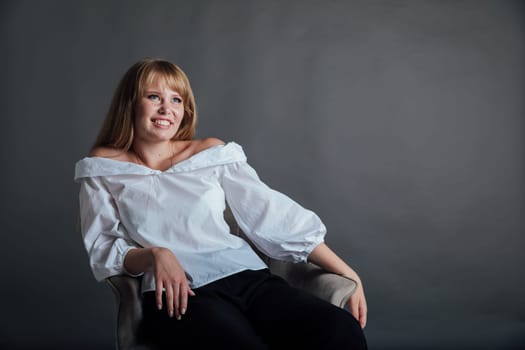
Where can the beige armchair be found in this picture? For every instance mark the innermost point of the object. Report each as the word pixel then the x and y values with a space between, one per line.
pixel 328 286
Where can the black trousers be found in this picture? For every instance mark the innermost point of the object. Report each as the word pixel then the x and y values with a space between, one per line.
pixel 252 310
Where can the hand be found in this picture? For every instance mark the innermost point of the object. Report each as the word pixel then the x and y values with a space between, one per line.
pixel 170 276
pixel 324 257
pixel 357 304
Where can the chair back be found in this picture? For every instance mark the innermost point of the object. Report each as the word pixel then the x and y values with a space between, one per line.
pixel 129 310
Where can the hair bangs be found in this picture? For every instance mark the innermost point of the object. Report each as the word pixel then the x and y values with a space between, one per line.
pixel 164 73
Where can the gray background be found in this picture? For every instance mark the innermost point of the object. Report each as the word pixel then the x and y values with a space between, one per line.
pixel 399 122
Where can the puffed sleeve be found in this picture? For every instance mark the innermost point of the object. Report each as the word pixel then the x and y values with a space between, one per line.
pixel 105 239
pixel 277 225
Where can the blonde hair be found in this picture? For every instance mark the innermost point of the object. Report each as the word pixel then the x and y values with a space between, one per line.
pixel 117 131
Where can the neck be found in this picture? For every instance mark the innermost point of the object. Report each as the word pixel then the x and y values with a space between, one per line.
pixel 155 156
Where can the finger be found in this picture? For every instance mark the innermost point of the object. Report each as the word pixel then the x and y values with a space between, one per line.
pixel 169 299
pixel 158 295
pixel 362 316
pixel 354 308
pixel 176 300
pixel 191 292
pixel 362 321
pixel 184 300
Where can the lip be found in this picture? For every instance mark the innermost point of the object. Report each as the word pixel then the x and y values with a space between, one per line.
pixel 154 120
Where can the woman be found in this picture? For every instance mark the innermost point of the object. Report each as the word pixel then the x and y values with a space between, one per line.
pixel 151 203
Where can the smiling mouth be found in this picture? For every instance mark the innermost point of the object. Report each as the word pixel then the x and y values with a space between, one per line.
pixel 162 122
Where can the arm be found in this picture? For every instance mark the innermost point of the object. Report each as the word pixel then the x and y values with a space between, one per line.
pixel 105 239
pixel 169 275
pixel 281 228
pixel 111 251
pixel 324 257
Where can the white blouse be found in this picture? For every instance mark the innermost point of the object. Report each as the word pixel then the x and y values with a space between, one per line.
pixel 124 205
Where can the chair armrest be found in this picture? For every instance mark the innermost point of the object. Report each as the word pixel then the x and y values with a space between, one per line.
pixel 333 288
pixel 129 309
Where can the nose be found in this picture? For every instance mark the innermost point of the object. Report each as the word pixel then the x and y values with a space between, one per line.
pixel 164 108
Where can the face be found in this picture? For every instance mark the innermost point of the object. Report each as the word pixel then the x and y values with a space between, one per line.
pixel 159 113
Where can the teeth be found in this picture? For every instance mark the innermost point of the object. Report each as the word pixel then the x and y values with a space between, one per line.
pixel 162 122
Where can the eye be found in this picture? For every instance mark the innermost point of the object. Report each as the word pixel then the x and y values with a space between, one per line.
pixel 177 100
pixel 153 97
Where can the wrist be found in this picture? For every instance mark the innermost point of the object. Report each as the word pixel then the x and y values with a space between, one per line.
pixel 352 275
pixel 156 252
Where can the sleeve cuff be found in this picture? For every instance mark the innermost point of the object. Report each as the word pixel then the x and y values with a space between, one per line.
pixel 124 271
pixel 303 257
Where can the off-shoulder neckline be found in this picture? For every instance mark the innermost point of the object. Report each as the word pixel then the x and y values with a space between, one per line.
pixel 214 155
pixel 175 165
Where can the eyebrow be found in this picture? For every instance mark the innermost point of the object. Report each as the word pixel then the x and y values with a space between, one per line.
pixel 158 92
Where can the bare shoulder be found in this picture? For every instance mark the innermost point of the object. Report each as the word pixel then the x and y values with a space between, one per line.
pixel 201 145
pixel 212 141
pixel 108 152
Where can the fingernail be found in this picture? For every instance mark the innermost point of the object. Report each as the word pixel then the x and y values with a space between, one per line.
pixel 171 313
pixel 159 306
pixel 179 318
pixel 183 311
